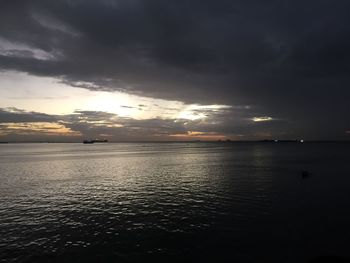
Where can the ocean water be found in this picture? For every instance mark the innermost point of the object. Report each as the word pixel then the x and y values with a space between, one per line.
pixel 173 202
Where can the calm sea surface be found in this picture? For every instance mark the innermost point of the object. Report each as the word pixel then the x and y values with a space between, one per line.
pixel 171 202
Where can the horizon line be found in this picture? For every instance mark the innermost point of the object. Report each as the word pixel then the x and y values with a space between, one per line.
pixel 187 141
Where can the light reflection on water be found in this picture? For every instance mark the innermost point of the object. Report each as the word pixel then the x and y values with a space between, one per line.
pixel 172 201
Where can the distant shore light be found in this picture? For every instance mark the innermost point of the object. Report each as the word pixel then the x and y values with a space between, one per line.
pixel 260 119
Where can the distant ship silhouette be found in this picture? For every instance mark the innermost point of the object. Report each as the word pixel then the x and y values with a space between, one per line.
pixel 93 141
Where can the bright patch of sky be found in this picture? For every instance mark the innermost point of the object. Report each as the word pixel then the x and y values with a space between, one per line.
pixel 49 95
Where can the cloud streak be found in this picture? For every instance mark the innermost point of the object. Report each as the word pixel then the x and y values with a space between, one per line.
pixel 17 125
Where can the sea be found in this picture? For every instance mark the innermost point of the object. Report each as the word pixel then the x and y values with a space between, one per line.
pixel 174 202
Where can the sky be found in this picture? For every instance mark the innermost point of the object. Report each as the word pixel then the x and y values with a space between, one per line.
pixel 139 70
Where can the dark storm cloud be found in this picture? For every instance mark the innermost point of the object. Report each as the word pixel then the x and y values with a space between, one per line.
pixel 290 59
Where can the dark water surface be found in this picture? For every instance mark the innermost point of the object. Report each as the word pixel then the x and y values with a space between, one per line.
pixel 171 202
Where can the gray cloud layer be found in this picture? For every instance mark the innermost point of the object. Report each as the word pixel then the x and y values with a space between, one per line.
pixel 288 58
pixel 96 124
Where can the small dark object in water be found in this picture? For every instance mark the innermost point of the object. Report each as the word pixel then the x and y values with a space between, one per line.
pixel 305 174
